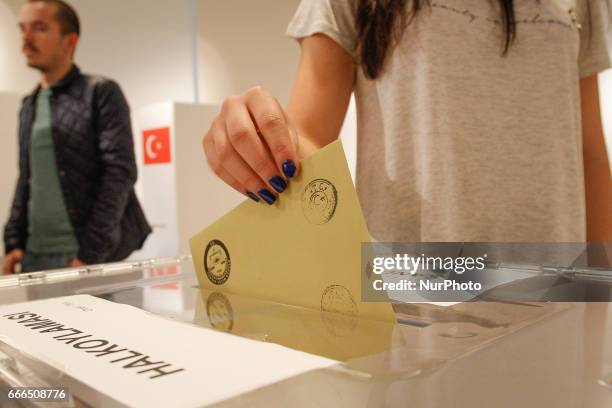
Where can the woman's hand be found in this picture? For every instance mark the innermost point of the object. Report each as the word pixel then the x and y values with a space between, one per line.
pixel 252 147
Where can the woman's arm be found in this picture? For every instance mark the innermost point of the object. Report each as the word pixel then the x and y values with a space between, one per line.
pixel 250 144
pixel 321 92
pixel 598 183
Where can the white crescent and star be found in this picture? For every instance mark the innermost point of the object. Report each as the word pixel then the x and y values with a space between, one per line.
pixel 151 150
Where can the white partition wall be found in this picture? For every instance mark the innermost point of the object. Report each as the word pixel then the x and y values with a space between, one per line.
pixel 178 191
pixel 153 140
pixel 201 197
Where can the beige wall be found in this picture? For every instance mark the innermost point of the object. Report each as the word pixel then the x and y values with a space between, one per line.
pixel 9 105
pixel 13 76
pixel 242 43
pixel 145 45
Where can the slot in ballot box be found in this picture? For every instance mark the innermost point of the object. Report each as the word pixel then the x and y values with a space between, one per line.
pixel 473 354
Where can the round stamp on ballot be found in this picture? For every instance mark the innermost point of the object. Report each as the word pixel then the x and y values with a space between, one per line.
pixel 319 201
pixel 220 312
pixel 217 262
pixel 339 310
pixel 338 299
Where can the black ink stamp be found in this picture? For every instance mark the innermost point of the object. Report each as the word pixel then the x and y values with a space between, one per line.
pixel 217 262
pixel 220 312
pixel 339 310
pixel 319 201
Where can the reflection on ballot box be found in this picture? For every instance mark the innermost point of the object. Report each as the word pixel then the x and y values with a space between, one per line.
pixel 339 336
pixel 499 354
pixel 472 354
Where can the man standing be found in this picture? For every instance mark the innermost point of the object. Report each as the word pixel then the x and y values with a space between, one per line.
pixel 74 203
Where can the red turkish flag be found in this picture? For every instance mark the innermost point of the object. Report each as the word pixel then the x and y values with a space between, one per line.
pixel 156 146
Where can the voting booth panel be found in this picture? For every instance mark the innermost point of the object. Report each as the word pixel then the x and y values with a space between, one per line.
pixel 179 192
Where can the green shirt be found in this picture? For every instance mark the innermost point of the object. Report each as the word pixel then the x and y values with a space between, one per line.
pixel 49 228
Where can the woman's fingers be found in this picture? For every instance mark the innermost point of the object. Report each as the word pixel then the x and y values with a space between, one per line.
pixel 245 141
pixel 251 146
pixel 230 167
pixel 215 165
pixel 271 122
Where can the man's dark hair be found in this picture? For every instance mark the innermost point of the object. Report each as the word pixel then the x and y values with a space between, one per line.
pixel 66 16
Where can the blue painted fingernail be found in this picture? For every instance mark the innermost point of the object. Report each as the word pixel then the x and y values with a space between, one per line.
pixel 253 196
pixel 267 196
pixel 289 168
pixel 278 183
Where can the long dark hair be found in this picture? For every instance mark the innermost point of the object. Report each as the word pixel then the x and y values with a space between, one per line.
pixel 380 22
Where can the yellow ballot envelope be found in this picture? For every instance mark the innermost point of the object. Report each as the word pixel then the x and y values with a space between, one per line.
pixel 303 251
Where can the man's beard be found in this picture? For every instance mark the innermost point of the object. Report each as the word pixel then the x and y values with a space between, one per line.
pixel 37 66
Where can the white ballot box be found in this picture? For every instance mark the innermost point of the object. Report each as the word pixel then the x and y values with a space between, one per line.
pixel 210 348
